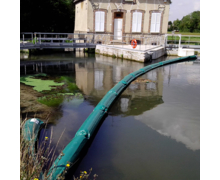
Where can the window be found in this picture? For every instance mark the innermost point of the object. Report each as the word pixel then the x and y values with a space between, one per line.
pixel 99 21
pixel 129 1
pixel 124 104
pixel 155 22
pixel 98 79
pixel 136 22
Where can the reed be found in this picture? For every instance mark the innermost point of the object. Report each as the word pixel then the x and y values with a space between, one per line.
pixel 34 165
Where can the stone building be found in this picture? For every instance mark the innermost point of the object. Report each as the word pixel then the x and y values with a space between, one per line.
pixel 119 18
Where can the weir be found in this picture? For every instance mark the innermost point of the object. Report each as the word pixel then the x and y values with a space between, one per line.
pixel 71 153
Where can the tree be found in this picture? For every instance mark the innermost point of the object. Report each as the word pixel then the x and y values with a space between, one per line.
pixel 176 24
pixel 189 23
pixel 47 16
pixel 170 26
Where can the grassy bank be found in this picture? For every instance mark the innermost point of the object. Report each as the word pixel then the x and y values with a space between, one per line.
pixel 185 33
pixel 191 40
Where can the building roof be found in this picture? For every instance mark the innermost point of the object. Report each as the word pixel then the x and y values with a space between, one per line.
pixel 76 1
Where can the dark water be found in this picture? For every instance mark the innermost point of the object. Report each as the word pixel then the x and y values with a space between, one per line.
pixel 152 130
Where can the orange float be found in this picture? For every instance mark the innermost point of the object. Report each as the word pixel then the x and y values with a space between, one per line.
pixel 134 43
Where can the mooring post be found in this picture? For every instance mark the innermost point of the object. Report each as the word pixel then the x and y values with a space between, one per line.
pixel 72 38
pixel 165 41
pixel 189 40
pixel 180 41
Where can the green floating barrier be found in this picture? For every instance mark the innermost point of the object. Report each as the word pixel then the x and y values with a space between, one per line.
pixel 31 128
pixel 30 132
pixel 71 152
pixel 129 78
pixel 118 88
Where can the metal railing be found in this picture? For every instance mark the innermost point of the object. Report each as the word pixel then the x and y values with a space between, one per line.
pixel 144 43
pixel 80 40
pixel 175 41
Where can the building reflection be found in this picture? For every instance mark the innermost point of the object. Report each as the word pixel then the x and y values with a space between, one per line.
pixel 96 79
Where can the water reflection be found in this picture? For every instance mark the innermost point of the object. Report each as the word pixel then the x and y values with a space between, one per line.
pixel 144 124
pixel 96 79
pixel 182 121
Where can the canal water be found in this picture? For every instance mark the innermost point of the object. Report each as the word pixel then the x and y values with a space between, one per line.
pixel 152 130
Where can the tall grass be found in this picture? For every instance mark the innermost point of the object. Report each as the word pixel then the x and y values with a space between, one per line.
pixel 33 162
pixel 34 165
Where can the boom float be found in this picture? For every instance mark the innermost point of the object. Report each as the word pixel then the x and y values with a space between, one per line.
pixel 71 152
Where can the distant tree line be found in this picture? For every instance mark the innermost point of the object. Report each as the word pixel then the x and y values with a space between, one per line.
pixel 189 23
pixel 47 16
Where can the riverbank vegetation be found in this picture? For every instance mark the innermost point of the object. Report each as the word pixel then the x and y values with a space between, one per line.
pixel 41 95
pixel 189 23
pixel 47 16
pixel 185 40
pixel 35 165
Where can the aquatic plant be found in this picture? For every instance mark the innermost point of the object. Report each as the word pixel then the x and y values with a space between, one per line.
pixel 51 100
pixel 38 84
pixel 71 86
pixel 54 100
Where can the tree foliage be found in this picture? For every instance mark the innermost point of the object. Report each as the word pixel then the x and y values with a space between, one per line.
pixel 189 23
pixel 47 16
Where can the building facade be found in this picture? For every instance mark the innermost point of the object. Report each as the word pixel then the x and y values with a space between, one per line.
pixel 122 17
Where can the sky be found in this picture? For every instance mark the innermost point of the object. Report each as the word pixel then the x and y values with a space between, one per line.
pixel 180 8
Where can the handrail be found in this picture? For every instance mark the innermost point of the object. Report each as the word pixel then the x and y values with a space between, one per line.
pixel 144 41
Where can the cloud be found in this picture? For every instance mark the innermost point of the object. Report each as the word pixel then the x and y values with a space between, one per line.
pixel 196 6
pixel 181 129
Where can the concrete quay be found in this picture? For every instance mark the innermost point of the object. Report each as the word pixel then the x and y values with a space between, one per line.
pixel 142 53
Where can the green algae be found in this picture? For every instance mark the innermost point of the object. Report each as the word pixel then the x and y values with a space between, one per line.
pixel 71 86
pixel 54 92
pixel 55 100
pixel 39 84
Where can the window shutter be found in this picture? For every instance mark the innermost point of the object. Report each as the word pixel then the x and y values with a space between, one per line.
pixel 139 20
pixel 102 21
pixel 134 22
pixel 97 21
pixel 158 16
pixel 153 22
